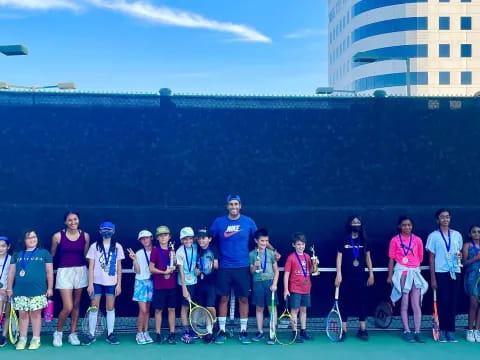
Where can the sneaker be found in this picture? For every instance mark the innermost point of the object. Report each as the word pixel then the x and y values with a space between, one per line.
pixel 408 337
pixel 140 338
pixel 3 341
pixel 220 338
pixel 88 340
pixel 362 334
pixel 298 339
pixel 305 336
pixel 158 338
pixel 112 339
pixel 171 339
pixel 34 343
pixel 443 337
pixel 270 341
pixel 451 337
pixel 258 336
pixel 193 335
pixel 186 338
pixel 57 339
pixel 470 336
pixel 73 339
pixel 417 338
pixel 208 339
pixel 243 337
pixel 344 336
pixel 148 339
pixel 476 333
pixel 21 343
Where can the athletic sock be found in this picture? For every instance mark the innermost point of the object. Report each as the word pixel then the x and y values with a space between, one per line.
pixel 221 322
pixel 92 322
pixel 243 324
pixel 110 321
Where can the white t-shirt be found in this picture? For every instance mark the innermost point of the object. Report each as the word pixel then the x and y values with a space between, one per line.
pixel 190 277
pixel 6 269
pixel 102 267
pixel 436 245
pixel 143 263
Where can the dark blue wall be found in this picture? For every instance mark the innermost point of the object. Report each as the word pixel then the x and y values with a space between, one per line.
pixel 299 163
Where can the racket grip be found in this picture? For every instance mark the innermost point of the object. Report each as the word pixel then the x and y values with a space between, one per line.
pixel 434 294
pixel 337 290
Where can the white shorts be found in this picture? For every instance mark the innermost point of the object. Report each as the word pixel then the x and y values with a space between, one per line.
pixel 72 278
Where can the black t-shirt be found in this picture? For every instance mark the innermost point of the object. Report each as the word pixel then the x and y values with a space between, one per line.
pixel 353 249
pixel 205 259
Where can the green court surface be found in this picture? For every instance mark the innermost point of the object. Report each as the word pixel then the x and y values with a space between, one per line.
pixel 382 345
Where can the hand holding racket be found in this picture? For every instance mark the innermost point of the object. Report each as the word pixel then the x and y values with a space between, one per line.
pixel 435 320
pixel 200 318
pixel 286 332
pixel 334 321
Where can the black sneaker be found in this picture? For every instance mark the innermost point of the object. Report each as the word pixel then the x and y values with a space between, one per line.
pixel 362 334
pixel 208 339
pixel 88 340
pixel 171 339
pixel 112 339
pixel 220 338
pixel 344 336
pixel 298 339
pixel 3 341
pixel 305 336
pixel 243 337
pixel 158 338
pixel 418 338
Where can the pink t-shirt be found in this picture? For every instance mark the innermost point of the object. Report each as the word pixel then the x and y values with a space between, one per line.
pixel 414 254
pixel 101 266
pixel 297 281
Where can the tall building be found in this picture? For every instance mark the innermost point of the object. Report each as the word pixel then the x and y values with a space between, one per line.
pixel 439 38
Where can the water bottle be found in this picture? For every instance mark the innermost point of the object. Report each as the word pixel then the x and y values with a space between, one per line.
pixel 48 311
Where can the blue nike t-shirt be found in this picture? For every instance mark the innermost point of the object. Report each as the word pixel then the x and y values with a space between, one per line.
pixel 232 237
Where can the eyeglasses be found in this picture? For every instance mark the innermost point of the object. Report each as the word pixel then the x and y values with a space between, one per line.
pixel 444 217
pixel 475 232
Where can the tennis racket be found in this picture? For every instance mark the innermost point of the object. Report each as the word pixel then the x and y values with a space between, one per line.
pixel 272 316
pixel 200 319
pixel 334 321
pixel 231 332
pixel 13 331
pixel 383 314
pixel 286 332
pixel 99 327
pixel 435 321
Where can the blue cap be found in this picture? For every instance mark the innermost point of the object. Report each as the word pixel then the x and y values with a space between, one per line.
pixel 107 225
pixel 4 238
pixel 233 197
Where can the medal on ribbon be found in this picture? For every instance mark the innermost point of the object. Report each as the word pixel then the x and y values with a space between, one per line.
pixel 405 249
pixel 447 244
pixel 355 251
pixel 24 262
pixel 304 269
pixel 189 263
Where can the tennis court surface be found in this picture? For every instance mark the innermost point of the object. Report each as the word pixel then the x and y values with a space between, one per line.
pixel 382 345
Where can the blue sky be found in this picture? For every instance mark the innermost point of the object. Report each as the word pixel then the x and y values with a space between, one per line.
pixel 191 46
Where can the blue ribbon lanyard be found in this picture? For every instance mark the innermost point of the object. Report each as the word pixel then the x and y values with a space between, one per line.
pixel 447 245
pixel 23 262
pixel 189 263
pixel 3 266
pixel 409 248
pixel 164 262
pixel 107 258
pixel 146 256
pixel 264 268
pixel 300 263
pixel 355 248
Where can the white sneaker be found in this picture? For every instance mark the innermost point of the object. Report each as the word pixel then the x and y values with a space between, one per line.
pixel 73 339
pixel 57 339
pixel 470 336
pixel 476 333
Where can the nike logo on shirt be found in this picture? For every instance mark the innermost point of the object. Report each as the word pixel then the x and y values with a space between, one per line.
pixel 231 230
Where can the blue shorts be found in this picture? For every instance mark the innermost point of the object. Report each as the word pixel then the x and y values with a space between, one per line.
pixel 262 295
pixel 299 300
pixel 99 290
pixel 143 290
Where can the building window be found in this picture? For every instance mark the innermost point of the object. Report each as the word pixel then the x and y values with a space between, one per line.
pixel 466 50
pixel 465 23
pixel 466 78
pixel 444 50
pixel 444 23
pixel 444 78
pixel 444 0
pixel 466 1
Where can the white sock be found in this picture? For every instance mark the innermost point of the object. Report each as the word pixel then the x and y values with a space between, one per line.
pixel 222 320
pixel 92 322
pixel 110 321
pixel 243 324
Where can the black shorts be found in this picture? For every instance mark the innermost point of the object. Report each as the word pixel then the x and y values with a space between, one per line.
pixel 164 298
pixel 237 279
pixel 191 291
pixel 206 293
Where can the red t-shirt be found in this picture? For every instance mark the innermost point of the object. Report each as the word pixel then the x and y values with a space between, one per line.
pixel 161 263
pixel 298 282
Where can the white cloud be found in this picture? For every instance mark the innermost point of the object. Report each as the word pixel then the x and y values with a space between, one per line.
pixel 175 17
pixel 305 33
pixel 39 4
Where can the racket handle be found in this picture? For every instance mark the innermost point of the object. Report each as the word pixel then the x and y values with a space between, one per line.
pixel 337 290
pixel 434 294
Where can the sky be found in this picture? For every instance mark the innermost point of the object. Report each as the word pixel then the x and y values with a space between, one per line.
pixel 257 47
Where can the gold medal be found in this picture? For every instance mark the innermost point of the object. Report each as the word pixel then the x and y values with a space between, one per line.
pixel 305 282
pixel 449 256
pixel 22 273
pixel 356 262
pixel 405 260
pixel 167 276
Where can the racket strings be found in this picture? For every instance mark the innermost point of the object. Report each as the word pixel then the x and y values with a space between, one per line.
pixel 334 326
pixel 286 334
pixel 201 321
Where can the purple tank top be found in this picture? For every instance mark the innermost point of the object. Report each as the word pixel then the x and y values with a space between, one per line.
pixel 71 253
